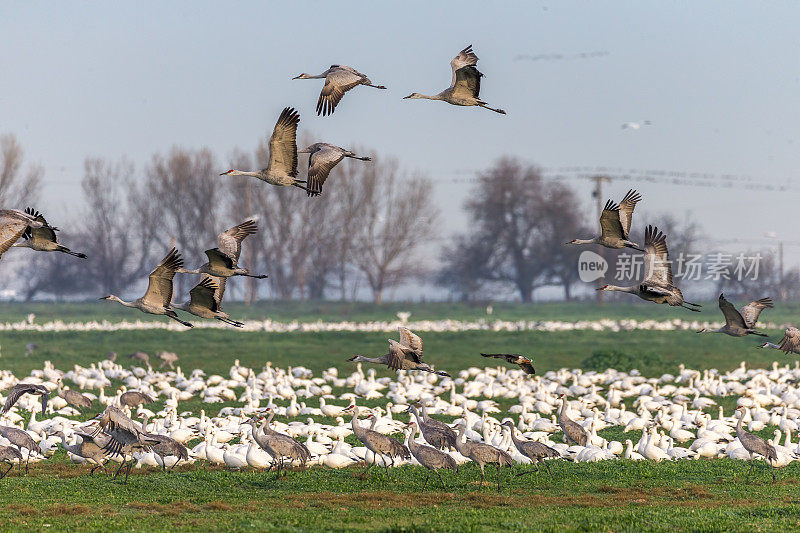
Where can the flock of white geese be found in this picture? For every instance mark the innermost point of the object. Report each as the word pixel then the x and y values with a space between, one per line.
pixel 664 418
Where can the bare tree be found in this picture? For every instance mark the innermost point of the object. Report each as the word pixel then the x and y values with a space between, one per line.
pixel 396 214
pixel 112 227
pixel 561 218
pixel 17 187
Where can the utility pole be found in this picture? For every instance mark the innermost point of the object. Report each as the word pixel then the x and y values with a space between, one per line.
pixel 597 193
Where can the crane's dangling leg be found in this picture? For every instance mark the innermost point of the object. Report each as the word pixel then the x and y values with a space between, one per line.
pixel 440 479
pixel 427 475
pixel 496 110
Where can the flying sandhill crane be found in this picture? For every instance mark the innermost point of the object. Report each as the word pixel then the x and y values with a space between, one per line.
pixel 466 85
pixel 482 454
pixel 573 432
pixel 282 166
pixel 13 224
pixel 740 323
pixel 525 363
pixel 166 447
pixel 73 398
pixel 278 445
pixel 43 238
pixel 21 439
pixel 87 449
pixel 125 437
pixel 615 224
pixel 202 302
pixel 533 450
pixel 223 261
pixel 657 286
pixel 133 398
pixel 9 454
pixel 403 355
pixel 158 298
pixel 429 457
pixel 25 388
pixel 378 443
pixel 755 444
pixel 790 343
pixel 323 158
pixel 433 434
pixel 338 80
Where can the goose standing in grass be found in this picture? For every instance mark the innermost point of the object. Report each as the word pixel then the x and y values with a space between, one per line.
pixel 13 224
pixel 338 80
pixel 525 363
pixel 465 87
pixel 282 165
pixel 43 238
pixel 203 302
pixel 657 285
pixel 158 298
pixel 403 355
pixel 615 224
pixel 323 158
pixel 223 261
pixel 740 323
pixel 19 389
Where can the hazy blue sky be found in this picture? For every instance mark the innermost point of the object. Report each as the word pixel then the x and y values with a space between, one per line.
pixel 719 80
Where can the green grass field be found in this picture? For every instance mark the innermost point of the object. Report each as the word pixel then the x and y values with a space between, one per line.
pixel 614 496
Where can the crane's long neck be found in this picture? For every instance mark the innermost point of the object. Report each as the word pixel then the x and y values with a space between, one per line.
pixel 770 345
pixel 739 423
pixel 416 415
pixel 586 241
pixel 23 244
pixel 252 174
pixel 634 289
pixel 354 422
pixel 120 300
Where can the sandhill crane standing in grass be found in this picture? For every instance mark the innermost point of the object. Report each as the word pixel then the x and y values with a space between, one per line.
pixel 615 224
pixel 429 457
pixel 657 286
pixel 25 388
pixel 433 434
pixel 125 437
pixel 282 166
pixel 21 439
pixel 740 323
pixel 438 424
pixel 13 224
pixel 378 443
pixel 323 158
pixel 166 447
pixel 158 298
pixel 43 238
pixel 403 355
pixel 9 454
pixel 223 261
pixel 168 358
pixel 338 80
pixel 203 303
pixel 278 445
pixel 525 363
pixel 533 450
pixel 482 454
pixel 573 432
pixel 73 398
pixel 755 444
pixel 133 398
pixel 465 88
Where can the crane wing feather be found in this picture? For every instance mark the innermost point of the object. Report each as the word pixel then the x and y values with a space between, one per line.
pixel 283 143
pixel 159 288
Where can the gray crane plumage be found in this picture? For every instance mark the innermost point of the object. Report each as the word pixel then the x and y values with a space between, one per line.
pixel 740 323
pixel 338 80
pixel 403 355
pixel 657 285
pixel 482 453
pixel 378 443
pixel 43 238
pixel 223 261
pixel 126 437
pixel 9 454
pixel 615 224
pixel 535 451
pixel 434 434
pixel 158 298
pixel 21 439
pixel 573 432
pixel 166 447
pixel 13 224
pixel 755 444
pixel 465 87
pixel 134 398
pixel 321 160
pixel 87 449
pixel 19 389
pixel 73 398
pixel 429 457
pixel 278 445
pixel 203 302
